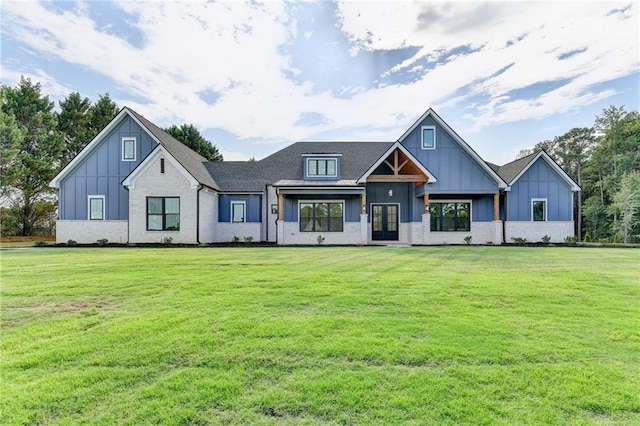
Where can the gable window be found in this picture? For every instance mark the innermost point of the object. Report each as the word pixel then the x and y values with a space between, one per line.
pixel 539 209
pixel 163 213
pixel 321 217
pixel 450 217
pixel 238 211
pixel 96 207
pixel 322 167
pixel 428 137
pixel 162 165
pixel 129 149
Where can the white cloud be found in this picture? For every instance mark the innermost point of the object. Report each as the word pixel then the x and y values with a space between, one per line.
pixel 236 51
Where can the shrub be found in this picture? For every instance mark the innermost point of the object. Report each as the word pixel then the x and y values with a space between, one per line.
pixel 546 239
pixel 235 239
pixel 320 239
pixel 587 237
pixel 102 242
pixel 167 241
pixel 468 239
pixel 248 239
pixel 40 243
pixel 603 241
pixel 519 240
pixel 72 243
pixel 616 238
pixel 570 240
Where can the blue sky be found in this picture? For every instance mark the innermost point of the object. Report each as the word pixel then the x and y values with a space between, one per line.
pixel 257 76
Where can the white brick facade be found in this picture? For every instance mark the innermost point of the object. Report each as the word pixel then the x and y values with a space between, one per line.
pixel 534 231
pixel 89 231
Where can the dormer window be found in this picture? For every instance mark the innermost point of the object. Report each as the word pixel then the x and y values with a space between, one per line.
pixel 321 167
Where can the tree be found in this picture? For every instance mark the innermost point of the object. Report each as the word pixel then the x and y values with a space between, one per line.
pixel 38 155
pixel 191 137
pixel 573 149
pixel 74 123
pixel 626 203
pixel 102 113
pixel 11 137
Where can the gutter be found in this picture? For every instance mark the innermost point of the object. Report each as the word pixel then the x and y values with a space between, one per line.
pixel 198 214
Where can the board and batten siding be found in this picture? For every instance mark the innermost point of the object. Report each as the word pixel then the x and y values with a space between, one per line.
pixel 455 170
pixel 253 206
pixel 101 173
pixel 540 181
pixel 352 205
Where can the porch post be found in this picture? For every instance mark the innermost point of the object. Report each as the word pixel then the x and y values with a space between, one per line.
pixel 497 223
pixel 280 221
pixel 426 220
pixel 364 221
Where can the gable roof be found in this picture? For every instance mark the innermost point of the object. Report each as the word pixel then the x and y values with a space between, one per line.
pixel 474 155
pixel 512 171
pixel 387 153
pixel 156 153
pixel 193 162
pixel 287 164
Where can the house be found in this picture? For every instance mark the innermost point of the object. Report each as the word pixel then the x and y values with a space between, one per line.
pixel 134 183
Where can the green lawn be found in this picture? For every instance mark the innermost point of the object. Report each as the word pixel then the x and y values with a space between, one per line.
pixel 359 335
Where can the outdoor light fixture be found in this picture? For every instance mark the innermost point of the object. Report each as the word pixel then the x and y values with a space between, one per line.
pixel 390 193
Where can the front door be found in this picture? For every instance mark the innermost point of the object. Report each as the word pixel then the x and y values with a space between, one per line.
pixel 384 222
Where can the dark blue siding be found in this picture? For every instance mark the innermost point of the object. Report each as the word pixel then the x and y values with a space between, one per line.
pixel 253 207
pixel 101 172
pixel 482 209
pixel 540 181
pixel 456 172
pixel 403 194
pixel 352 206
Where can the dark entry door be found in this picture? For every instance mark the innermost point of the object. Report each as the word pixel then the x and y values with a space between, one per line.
pixel 384 221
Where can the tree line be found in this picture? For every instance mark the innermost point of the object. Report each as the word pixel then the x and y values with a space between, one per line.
pixel 37 141
pixel 604 160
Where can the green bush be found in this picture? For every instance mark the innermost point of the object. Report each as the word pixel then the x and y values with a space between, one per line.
pixel 570 240
pixel 546 239
pixel 40 243
pixel 519 240
pixel 72 243
pixel 248 239
pixel 587 237
pixel 102 242
pixel 468 239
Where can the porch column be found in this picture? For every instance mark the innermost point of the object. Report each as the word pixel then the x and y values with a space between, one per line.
pixel 426 220
pixel 364 221
pixel 280 221
pixel 497 223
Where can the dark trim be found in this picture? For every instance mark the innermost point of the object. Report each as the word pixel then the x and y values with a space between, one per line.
pixel 198 214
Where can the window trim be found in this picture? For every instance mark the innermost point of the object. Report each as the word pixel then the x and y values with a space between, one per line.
pixel 458 201
pixel 422 129
pixel 126 139
pixel 93 197
pixel 320 158
pixel 342 202
pixel 244 211
pixel 164 214
pixel 546 205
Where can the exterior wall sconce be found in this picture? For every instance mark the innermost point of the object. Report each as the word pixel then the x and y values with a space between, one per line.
pixel 390 193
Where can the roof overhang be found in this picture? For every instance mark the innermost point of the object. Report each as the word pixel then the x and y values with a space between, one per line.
pixel 157 152
pixel 556 168
pixel 431 113
pixel 423 172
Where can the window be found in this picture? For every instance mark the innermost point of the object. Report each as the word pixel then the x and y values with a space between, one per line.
pixel 321 167
pixel 450 217
pixel 321 217
pixel 539 210
pixel 96 207
pixel 237 211
pixel 163 213
pixel 128 149
pixel 162 165
pixel 428 137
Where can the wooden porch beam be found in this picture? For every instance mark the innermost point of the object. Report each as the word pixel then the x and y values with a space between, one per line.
pixel 397 178
pixel 280 206
pixel 496 206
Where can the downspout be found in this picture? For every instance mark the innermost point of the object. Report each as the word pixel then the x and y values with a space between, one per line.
pixel 266 212
pixel 504 222
pixel 198 214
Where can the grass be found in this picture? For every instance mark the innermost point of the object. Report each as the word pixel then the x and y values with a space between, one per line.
pixel 422 335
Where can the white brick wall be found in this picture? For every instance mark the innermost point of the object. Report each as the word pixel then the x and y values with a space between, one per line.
pixel 534 231
pixel 171 183
pixel 292 235
pixel 89 231
pixel 226 231
pixel 208 215
pixel 481 233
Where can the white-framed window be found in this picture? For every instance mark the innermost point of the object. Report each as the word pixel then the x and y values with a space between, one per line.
pixel 321 216
pixel 539 209
pixel 322 167
pixel 95 207
pixel 428 137
pixel 238 211
pixel 129 149
pixel 450 216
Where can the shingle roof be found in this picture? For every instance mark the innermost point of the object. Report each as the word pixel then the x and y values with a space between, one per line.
pixel 188 158
pixel 286 164
pixel 511 170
